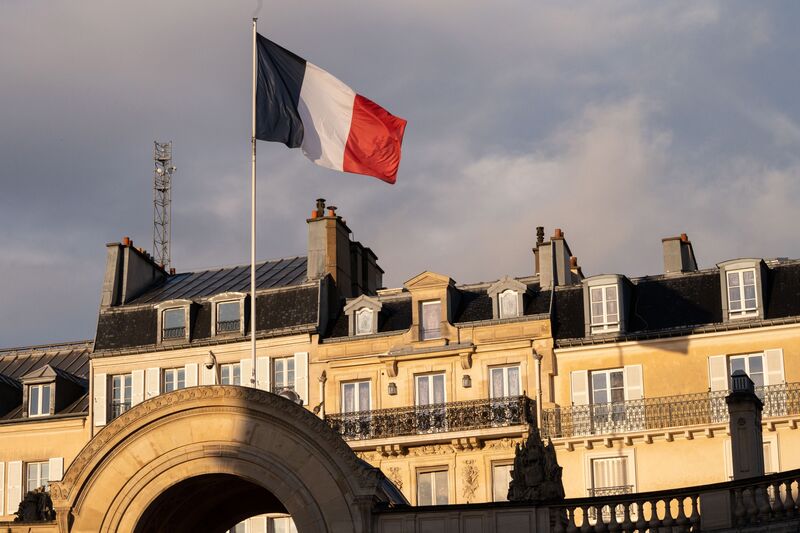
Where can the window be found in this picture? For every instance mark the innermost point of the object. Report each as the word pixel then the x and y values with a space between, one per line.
pixel 501 479
pixel 604 308
pixel 432 488
pixel 609 477
pixel 508 301
pixel 39 400
pixel 231 374
pixel 241 527
pixel 283 374
pixel 752 364
pixel 121 389
pixel 355 397
pixel 173 324
pixel 742 300
pixel 430 389
pixel 228 317
pixel 364 321
pixel 431 320
pixel 608 397
pixel 430 398
pixel 174 379
pixel 504 381
pixel 37 475
pixel 283 524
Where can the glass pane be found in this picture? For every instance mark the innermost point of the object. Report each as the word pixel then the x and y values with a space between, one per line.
pixel 237 375
pixel 169 381
pixel 597 295
pixel 438 388
pixel 508 304
pixel 364 321
pixel 45 400
pixel 44 474
pixel 597 312
pixel 173 318
pixel 423 390
pixel 34 401
pixel 617 380
pixel 513 381
pixel 431 319
pixel 750 292
pixel 363 396
pixel 611 293
pixel 749 277
pixel 750 304
pixel 598 381
pixel 756 364
pixel 349 397
pixel 280 379
pixel 226 374
pixel 611 308
pixel 600 396
pixel 424 489
pixel 737 364
pixel 441 488
pixel 227 311
pixel 733 279
pixel 290 371
pixel 181 378
pixel 617 395
pixel 501 478
pixel 497 383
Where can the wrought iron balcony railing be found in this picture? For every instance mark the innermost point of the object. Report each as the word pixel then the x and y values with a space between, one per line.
pixel 226 326
pixel 437 418
pixel 173 333
pixel 277 389
pixel 118 407
pixel 662 412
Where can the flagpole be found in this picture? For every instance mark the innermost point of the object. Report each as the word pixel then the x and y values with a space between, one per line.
pixel 253 218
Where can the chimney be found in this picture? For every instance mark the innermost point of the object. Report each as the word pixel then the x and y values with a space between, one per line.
pixel 129 271
pixel 678 255
pixel 352 266
pixel 553 260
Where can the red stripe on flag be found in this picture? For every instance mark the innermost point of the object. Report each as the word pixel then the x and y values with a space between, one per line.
pixel 373 144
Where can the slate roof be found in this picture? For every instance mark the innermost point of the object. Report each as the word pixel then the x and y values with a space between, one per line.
pixel 69 360
pixel 188 285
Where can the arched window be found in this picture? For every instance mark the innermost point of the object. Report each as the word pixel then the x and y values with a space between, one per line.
pixel 509 304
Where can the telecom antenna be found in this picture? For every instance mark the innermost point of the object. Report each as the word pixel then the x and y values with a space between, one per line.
pixel 162 203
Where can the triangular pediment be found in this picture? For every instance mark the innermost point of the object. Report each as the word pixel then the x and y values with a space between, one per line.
pixel 428 280
pixel 369 302
pixel 43 372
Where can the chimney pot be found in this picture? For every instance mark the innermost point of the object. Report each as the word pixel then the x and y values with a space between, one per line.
pixel 539 234
pixel 172 271
pixel 320 207
pixel 126 241
pixel 573 261
pixel 684 237
pixel 314 214
pixel 558 234
pixel 331 210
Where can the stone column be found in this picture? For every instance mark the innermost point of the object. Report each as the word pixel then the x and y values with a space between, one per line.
pixel 744 408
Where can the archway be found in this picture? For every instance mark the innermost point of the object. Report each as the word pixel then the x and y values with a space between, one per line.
pixel 184 450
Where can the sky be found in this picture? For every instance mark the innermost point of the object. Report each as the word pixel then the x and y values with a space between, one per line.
pixel 619 122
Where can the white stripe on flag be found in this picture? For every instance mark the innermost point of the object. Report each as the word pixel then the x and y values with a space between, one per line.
pixel 326 109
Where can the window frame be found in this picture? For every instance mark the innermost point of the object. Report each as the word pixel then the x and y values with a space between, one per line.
pixel 121 403
pixel 505 368
pixel 743 311
pixel 508 294
pixel 739 267
pixel 605 325
pixel 746 357
pixel 431 393
pixel 274 386
pixel 40 465
pixel 172 305
pixel 426 334
pixel 433 470
pixel 50 399
pixel 506 285
pixel 356 395
pixel 233 367
pixel 358 313
pixel 177 372
pixel 498 464
pixel 228 298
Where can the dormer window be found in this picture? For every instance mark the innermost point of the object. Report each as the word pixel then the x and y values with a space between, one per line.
pixel 431 320
pixel 227 313
pixel 362 315
pixel 174 320
pixel 364 318
pixel 604 303
pixel 228 317
pixel 742 284
pixel 39 400
pixel 507 297
pixel 174 324
pixel 742 300
pixel 604 308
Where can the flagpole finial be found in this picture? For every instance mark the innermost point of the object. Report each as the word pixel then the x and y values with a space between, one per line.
pixel 255 19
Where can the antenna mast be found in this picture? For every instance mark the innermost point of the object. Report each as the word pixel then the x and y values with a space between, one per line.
pixel 162 203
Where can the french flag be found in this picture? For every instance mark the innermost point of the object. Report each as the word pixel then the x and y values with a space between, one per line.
pixel 299 104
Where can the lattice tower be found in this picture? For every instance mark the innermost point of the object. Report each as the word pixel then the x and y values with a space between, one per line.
pixel 162 203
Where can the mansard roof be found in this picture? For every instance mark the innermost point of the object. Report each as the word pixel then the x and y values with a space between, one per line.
pixel 287 272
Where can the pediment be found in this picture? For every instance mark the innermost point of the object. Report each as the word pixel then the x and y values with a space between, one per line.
pixel 428 280
pixel 43 372
pixel 363 301
pixel 505 283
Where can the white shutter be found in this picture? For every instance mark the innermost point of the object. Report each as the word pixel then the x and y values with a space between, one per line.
pixel 301 375
pixel 207 375
pixel 14 485
pixel 262 373
pixel 580 387
pixel 773 364
pixel 100 403
pixel 56 469
pixel 246 366
pixel 2 488
pixel 137 384
pixel 718 372
pixel 191 374
pixel 634 385
pixel 152 383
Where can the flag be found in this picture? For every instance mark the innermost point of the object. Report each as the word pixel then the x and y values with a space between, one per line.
pixel 301 105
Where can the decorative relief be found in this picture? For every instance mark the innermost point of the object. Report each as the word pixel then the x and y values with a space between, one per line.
pixel 394 477
pixel 503 444
pixel 433 449
pixel 470 478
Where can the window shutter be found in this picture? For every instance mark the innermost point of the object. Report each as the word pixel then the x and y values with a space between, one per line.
pixel 14 485
pixel 246 366
pixel 137 385
pixel 207 375
pixel 773 362
pixel 100 388
pixel 56 469
pixel 191 374
pixel 580 387
pixel 301 375
pixel 152 380
pixel 2 487
pixel 718 372
pixel 634 384
pixel 262 373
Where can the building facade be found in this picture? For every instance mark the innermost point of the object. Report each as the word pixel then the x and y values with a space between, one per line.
pixel 434 382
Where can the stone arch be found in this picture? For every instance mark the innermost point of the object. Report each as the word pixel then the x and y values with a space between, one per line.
pixel 227 440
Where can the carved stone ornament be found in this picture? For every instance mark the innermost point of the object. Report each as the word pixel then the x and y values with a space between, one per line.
pixel 36 506
pixel 394 477
pixel 470 480
pixel 536 476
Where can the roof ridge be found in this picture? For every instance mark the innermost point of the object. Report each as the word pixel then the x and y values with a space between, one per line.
pixel 48 347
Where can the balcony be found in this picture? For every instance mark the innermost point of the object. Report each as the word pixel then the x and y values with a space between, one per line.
pixel 227 326
pixel 119 407
pixel 660 413
pixel 173 333
pixel 432 419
